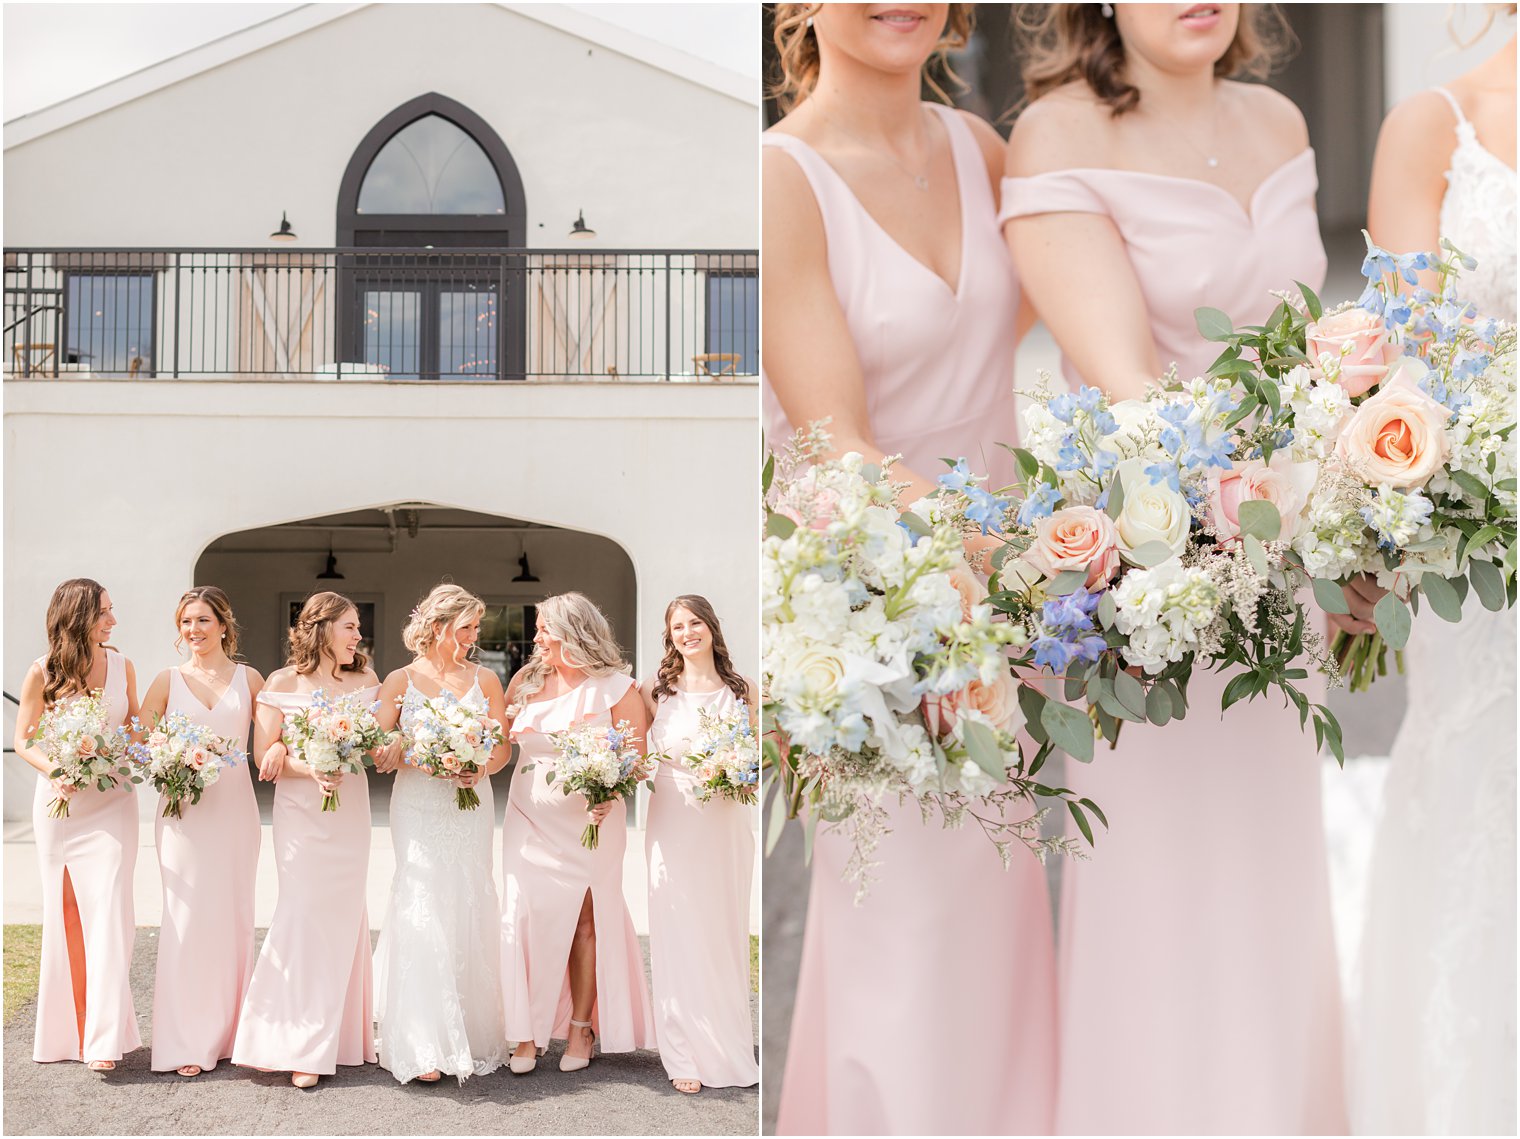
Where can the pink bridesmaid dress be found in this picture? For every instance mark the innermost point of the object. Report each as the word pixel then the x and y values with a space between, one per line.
pixel 1198 978
pixel 548 874
pixel 96 846
pixel 308 1006
pixel 930 1007
pixel 701 857
pixel 207 860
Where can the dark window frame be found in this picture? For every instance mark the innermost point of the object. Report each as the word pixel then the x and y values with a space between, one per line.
pixel 66 348
pixel 707 309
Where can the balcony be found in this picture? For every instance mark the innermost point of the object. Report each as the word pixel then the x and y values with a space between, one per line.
pixel 421 315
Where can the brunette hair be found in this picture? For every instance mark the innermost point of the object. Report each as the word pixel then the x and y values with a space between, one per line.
pixel 1066 43
pixel 313 629
pixel 446 604
pixel 585 640
pixel 220 606
pixel 71 615
pixel 672 662
pixel 797 50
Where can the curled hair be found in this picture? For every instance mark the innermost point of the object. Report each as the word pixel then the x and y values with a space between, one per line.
pixel 213 597
pixel 71 616
pixel 797 50
pixel 312 632
pixel 1491 12
pixel 585 640
pixel 445 606
pixel 1068 43
pixel 673 662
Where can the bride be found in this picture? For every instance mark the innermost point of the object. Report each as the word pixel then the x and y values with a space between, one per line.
pixel 438 986
pixel 1434 1021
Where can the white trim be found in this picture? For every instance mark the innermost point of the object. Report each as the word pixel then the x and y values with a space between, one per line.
pixel 287 25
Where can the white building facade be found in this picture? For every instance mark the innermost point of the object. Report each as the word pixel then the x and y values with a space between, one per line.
pixel 432 378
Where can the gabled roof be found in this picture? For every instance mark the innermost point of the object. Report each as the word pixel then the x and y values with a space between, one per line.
pixel 298 21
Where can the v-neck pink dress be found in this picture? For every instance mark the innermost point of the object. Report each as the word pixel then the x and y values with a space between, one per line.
pixel 309 1005
pixel 930 1007
pixel 208 861
pixel 1199 991
pixel 547 874
pixel 96 845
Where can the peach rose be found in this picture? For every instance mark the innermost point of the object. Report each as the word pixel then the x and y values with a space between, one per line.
pixel 86 747
pixel 1398 436
pixel 966 584
pixel 1357 339
pixel 197 758
pixel 998 702
pixel 1282 482
pixel 1075 538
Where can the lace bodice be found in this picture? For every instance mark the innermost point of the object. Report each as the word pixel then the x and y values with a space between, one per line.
pixel 1478 217
pixel 413 699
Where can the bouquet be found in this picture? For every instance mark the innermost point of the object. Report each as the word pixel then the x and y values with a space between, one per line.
pixel 885 670
pixel 725 756
pixel 85 750
pixel 447 738
pixel 334 735
pixel 602 763
pixel 1403 404
pixel 181 758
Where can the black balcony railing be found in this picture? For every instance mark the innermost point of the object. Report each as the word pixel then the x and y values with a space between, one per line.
pixel 457 315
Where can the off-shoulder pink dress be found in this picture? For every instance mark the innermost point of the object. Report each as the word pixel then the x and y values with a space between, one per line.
pixel 208 861
pixel 1198 975
pixel 96 846
pixel 308 1006
pixel 547 874
pixel 930 1007
pixel 701 858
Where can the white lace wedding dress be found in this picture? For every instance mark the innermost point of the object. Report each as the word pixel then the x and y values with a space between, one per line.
pixel 437 967
pixel 1433 1043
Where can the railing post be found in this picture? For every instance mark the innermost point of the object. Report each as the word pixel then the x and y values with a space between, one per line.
pixel 26 335
pixel 669 316
pixel 174 336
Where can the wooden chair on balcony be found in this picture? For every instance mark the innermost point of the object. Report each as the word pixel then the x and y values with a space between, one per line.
pixel 33 358
pixel 727 364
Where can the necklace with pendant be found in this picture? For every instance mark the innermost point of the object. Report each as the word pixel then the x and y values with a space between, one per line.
pixel 920 181
pixel 1210 159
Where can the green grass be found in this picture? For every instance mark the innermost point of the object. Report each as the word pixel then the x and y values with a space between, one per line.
pixel 754 969
pixel 23 955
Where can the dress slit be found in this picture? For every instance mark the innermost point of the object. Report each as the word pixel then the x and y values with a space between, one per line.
pixel 74 941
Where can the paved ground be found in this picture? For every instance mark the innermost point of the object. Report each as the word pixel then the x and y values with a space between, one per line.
pixel 626 1094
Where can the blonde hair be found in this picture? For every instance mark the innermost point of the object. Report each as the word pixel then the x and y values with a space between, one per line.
pixel 585 640
pixel 797 50
pixel 215 600
pixel 312 632
pixel 1069 43
pixel 445 606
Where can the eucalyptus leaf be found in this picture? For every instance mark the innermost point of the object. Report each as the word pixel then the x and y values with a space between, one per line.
pixel 808 834
pixel 1076 686
pixel 1470 483
pixel 1330 597
pixel 1488 583
pixel 1311 301
pixel 1070 729
pixel 916 524
pixel 1213 324
pixel 1260 519
pixel 768 473
pixel 1150 554
pixel 983 748
pixel 1082 824
pixel 778 820
pixel 1158 707
pixel 780 526
pixel 1032 704
pixel 1108 610
pixel 1255 554
pixel 1068 581
pixel 1131 693
pixel 1392 618
pixel 1442 596
pixel 1115 498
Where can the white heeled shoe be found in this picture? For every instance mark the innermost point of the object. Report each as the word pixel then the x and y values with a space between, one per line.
pixel 522 1065
pixel 568 1063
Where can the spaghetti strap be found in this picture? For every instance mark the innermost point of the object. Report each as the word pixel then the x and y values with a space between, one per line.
pixel 1456 107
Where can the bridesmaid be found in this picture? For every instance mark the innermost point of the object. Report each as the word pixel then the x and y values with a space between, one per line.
pixel 1198 982
pixel 84 994
pixel 208 858
pixel 307 1009
pixel 929 1008
pixel 701 857
pixel 438 964
pixel 571 962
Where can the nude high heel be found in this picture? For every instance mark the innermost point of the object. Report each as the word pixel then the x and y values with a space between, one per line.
pixel 568 1063
pixel 303 1079
pixel 522 1065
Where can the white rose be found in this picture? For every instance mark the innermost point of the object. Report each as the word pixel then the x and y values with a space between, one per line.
pixel 1150 513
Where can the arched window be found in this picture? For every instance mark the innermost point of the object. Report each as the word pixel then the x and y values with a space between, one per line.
pixel 434 180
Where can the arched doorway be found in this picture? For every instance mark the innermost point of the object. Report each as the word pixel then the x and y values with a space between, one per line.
pixel 429 182
pixel 386 559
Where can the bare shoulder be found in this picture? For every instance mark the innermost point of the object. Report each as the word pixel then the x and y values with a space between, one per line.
pixel 1422 122
pixel 786 195
pixel 1064 129
pixel 281 680
pixel 1273 112
pixel 370 677
pixel 988 141
pixel 514 686
pixel 255 681
pixel 490 683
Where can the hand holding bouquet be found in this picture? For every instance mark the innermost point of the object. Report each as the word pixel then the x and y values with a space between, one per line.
pixel 84 749
pixel 602 763
pixel 181 758
pixel 725 756
pixel 448 738
pixel 332 736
